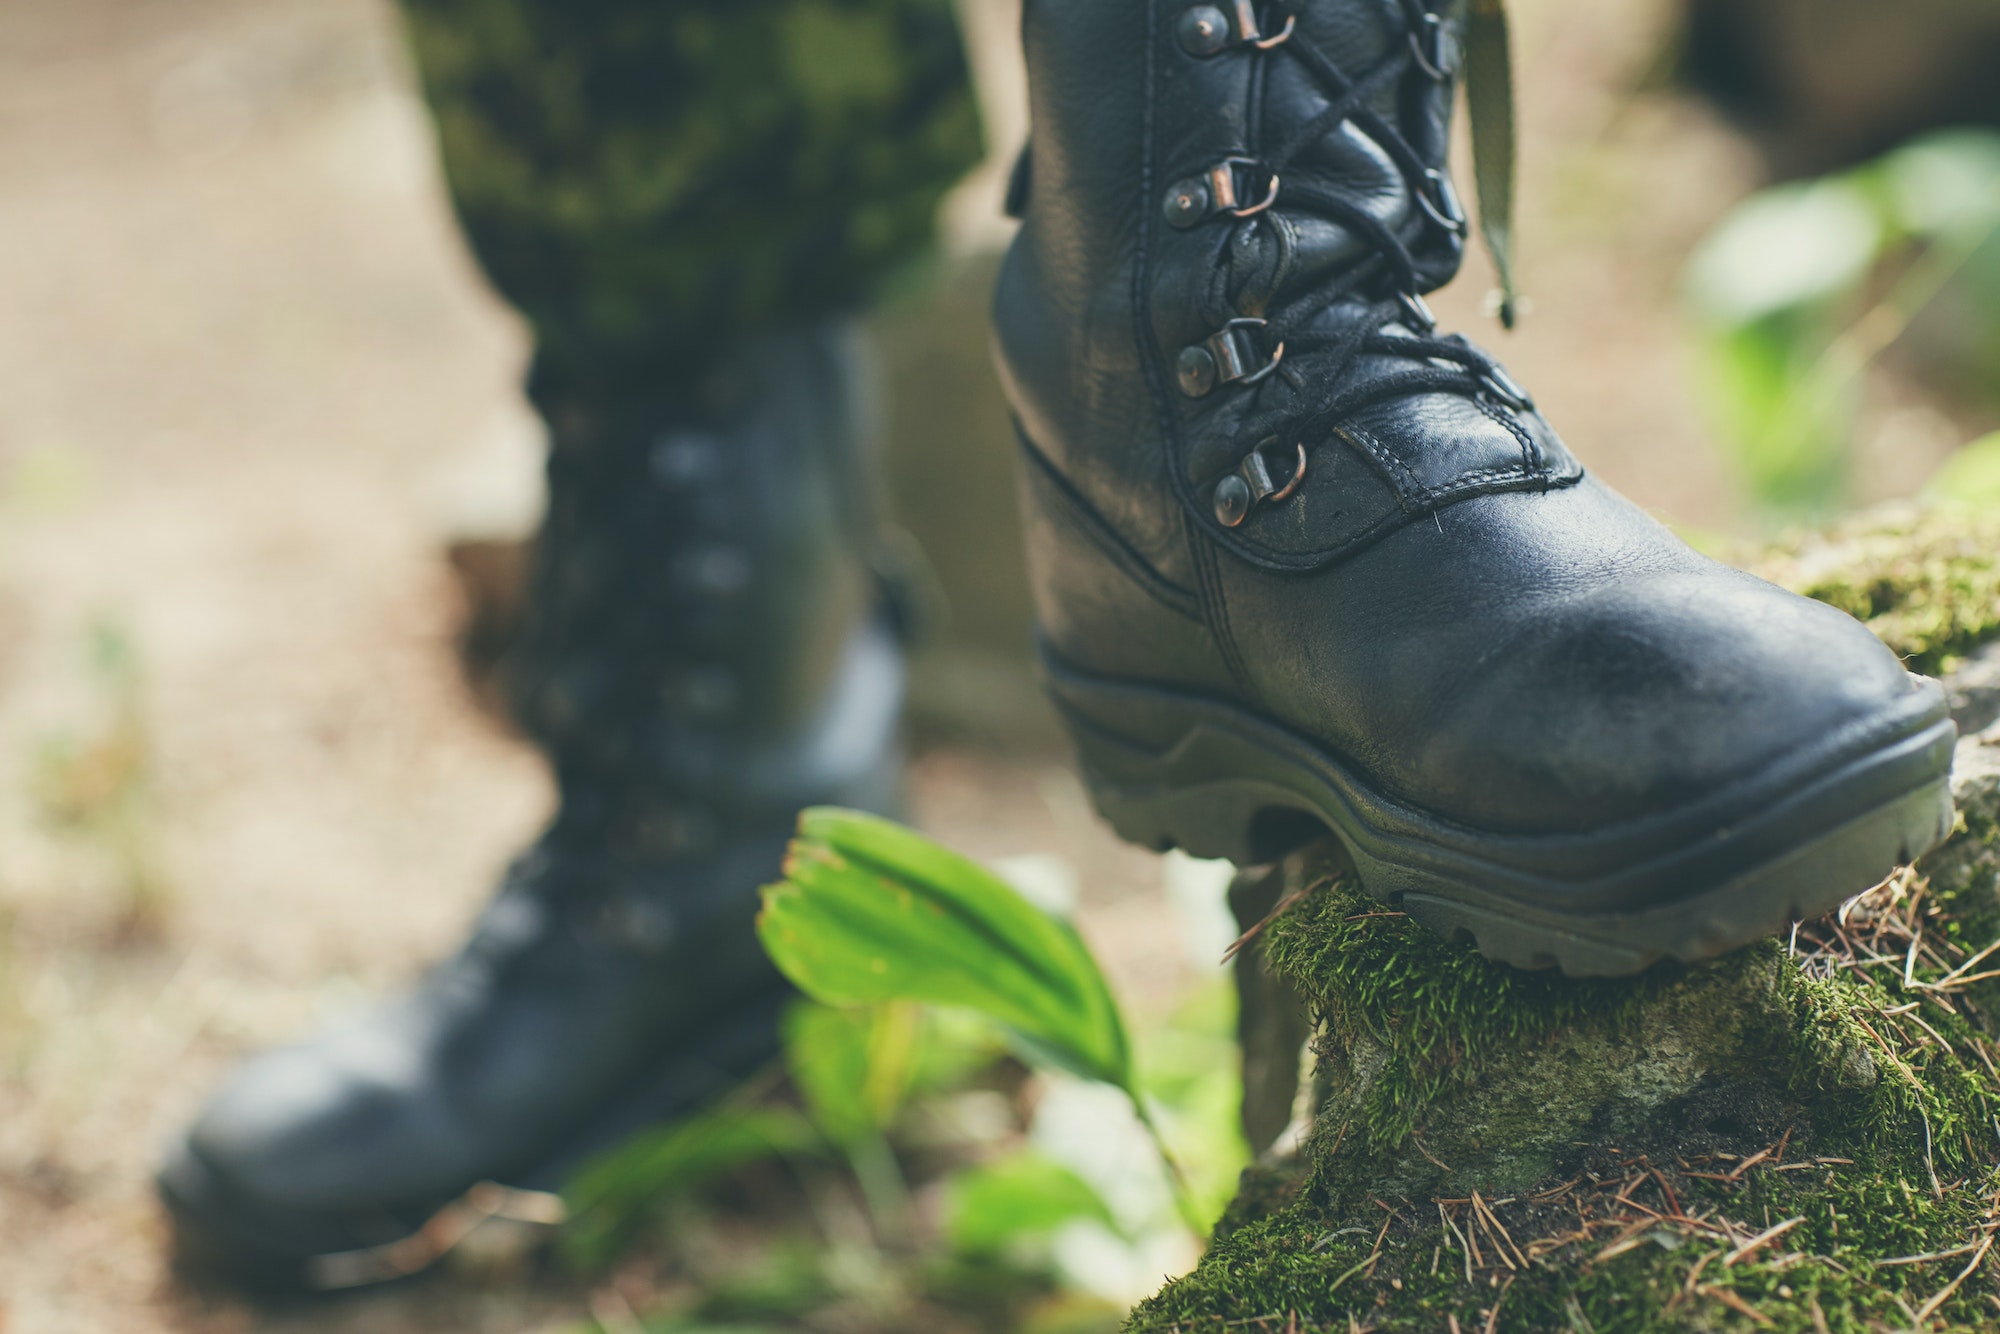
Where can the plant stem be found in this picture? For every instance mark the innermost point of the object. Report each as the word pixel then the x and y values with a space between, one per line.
pixel 883 1187
pixel 1184 1201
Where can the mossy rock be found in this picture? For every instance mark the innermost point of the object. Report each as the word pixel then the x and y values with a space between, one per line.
pixel 1926 580
pixel 1800 1136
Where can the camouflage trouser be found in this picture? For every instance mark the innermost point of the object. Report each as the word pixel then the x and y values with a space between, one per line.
pixel 667 190
pixel 649 179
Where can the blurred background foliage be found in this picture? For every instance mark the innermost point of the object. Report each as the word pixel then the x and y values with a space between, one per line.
pixel 1807 285
pixel 257 755
pixel 987 1197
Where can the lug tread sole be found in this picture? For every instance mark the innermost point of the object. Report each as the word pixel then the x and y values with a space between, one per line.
pixel 1228 789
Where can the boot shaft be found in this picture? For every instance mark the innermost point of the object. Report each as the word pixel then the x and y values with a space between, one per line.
pixel 705 629
pixel 1180 163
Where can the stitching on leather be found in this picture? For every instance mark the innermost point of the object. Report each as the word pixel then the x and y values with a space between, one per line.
pixel 1506 481
pixel 1475 483
pixel 1208 566
pixel 1475 478
pixel 1214 614
pixel 1417 499
pixel 1143 341
pixel 1509 424
pixel 1084 518
pixel 1388 459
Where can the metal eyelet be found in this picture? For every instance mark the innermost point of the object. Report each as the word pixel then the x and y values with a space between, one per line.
pixel 1204 31
pixel 706 692
pixel 1220 189
pixel 1234 353
pixel 1194 371
pixel 712 571
pixel 1224 357
pixel 1252 484
pixel 1188 204
pixel 1422 319
pixel 1436 50
pixel 1207 30
pixel 1440 202
pixel 1494 379
pixel 1222 185
pixel 681 458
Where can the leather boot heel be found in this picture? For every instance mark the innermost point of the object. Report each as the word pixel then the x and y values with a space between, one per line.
pixel 1192 782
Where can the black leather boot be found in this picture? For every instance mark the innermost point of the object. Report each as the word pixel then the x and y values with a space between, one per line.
pixel 707 654
pixel 1301 561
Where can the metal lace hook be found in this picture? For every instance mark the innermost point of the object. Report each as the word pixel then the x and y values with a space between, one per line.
pixel 1494 380
pixel 1268 43
pixel 1222 187
pixel 1225 357
pixel 1251 485
pixel 1424 319
pixel 1270 367
pixel 1298 475
pixel 1439 62
pixel 1440 202
pixel 1250 30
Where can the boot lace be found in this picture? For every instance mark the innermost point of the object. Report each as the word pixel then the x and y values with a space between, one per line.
pixel 1388 284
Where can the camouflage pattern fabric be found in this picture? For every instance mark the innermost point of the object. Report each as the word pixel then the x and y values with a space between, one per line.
pixel 651 180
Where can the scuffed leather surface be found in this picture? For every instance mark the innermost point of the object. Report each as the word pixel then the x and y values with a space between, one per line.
pixel 1095 595
pixel 1066 343
pixel 1547 663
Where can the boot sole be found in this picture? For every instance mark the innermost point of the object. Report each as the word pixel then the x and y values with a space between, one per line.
pixel 1174 769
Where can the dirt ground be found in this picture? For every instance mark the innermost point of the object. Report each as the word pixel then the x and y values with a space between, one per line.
pixel 248 382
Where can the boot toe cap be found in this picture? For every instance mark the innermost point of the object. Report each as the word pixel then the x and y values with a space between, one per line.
pixel 1642 696
pixel 309 1150
pixel 303 1126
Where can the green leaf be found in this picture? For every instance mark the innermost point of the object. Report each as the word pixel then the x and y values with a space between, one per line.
pixel 989 1208
pixel 616 1192
pixel 1783 248
pixel 853 1066
pixel 871 912
pixel 1945 182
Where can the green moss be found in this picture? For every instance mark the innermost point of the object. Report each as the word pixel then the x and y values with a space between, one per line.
pixel 1927 580
pixel 1382 982
pixel 1673 1278
pixel 1598 1118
